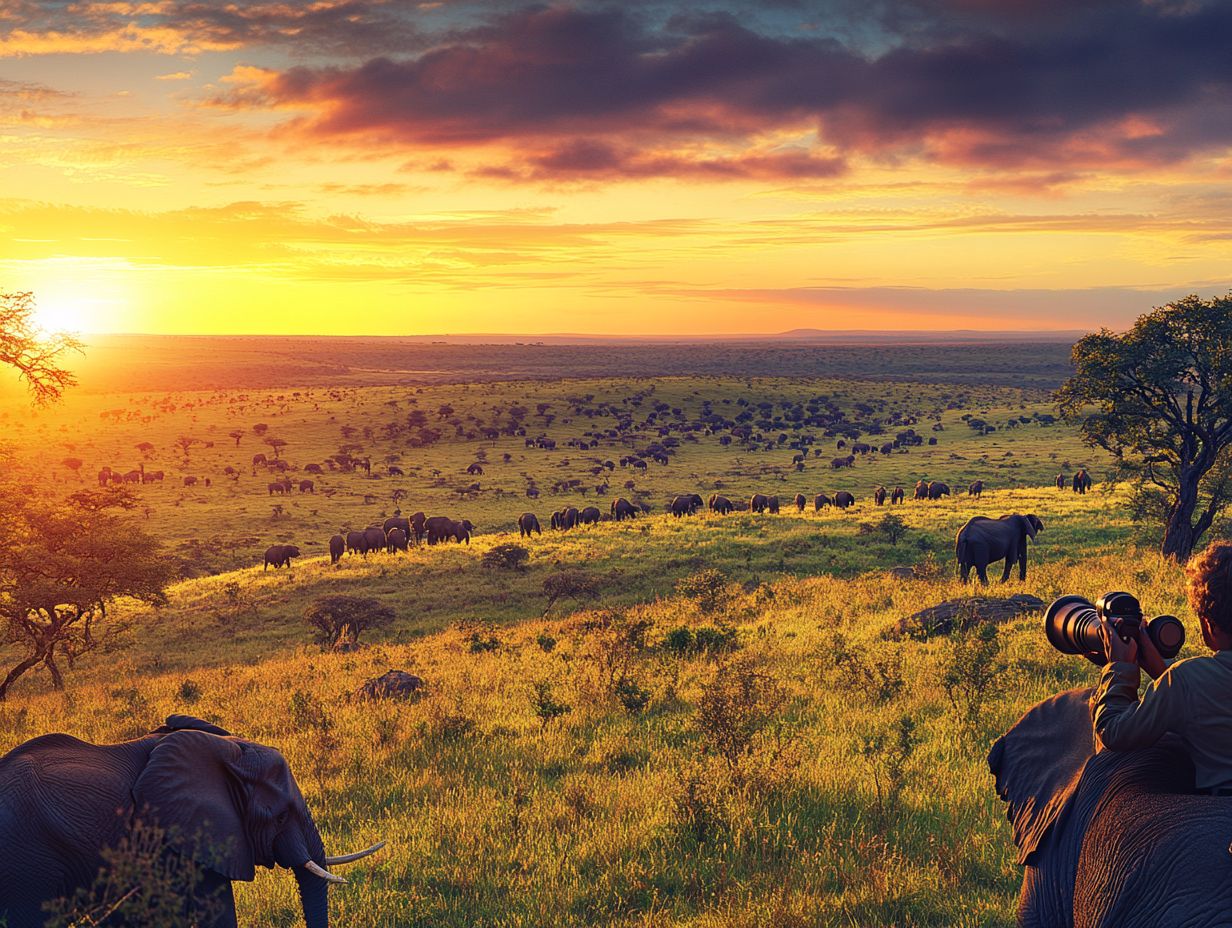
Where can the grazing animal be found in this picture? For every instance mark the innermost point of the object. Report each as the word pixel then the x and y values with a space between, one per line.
pixel 937 489
pixel 772 504
pixel 721 504
pixel 590 515
pixel 801 502
pixel 1082 481
pixel 337 546
pixel 879 496
pixel 357 543
pixel 398 521
pixel 976 489
pixel 307 486
pixel 418 530
pixel 843 499
pixel 921 489
pixel 623 509
pixel 1060 481
pixel 226 804
pixel 685 505
pixel 896 495
pixel 443 528
pixel 983 540
pixel 528 523
pixel 280 556
pixel 821 500
pixel 190 481
pixel 395 540
pixel 759 502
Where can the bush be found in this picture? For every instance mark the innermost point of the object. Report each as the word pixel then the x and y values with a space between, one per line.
pixel 970 672
pixel 545 704
pixel 340 620
pixel 738 706
pixel 707 588
pixel 570 584
pixel 506 557
pixel 547 644
pixel 888 751
pixel 892 528
pixel 631 696
pixel 480 644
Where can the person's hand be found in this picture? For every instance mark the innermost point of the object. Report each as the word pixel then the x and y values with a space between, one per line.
pixel 1116 647
pixel 1149 658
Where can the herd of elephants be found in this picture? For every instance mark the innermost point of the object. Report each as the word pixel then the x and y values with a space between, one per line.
pixel 1105 839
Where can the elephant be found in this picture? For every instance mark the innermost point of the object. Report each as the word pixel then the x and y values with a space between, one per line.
pixel 759 502
pixel 258 459
pixel 192 482
pixel 357 543
pixel 1060 481
pixel 976 489
pixel 474 469
pixel 104 476
pixel 569 517
pixel 443 528
pixel 221 804
pixel 721 504
pixel 395 540
pixel 337 545
pixel 821 500
pixel 623 509
pixel 800 502
pixel 395 471
pixel 397 521
pixel 772 504
pixel 418 526
pixel 374 538
pixel 896 495
pixel 921 489
pixel 1082 481
pixel 879 496
pixel 307 486
pixel 843 499
pixel 313 469
pixel 528 523
pixel 937 489
pixel 1109 838
pixel 685 505
pixel 590 515
pixel 555 520
pixel 276 487
pixel 280 556
pixel 983 540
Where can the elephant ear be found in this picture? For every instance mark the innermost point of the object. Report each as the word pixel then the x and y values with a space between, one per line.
pixel 188 722
pixel 1037 765
pixel 193 786
pixel 1035 524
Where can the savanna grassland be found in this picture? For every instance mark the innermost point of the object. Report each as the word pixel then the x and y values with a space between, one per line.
pixel 724 721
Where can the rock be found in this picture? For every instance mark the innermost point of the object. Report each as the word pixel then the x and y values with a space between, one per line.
pixel 393 684
pixel 944 617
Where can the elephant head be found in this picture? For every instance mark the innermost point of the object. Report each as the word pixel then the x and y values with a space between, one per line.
pixel 1032 525
pixel 232 805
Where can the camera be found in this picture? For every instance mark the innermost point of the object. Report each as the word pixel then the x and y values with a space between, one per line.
pixel 1072 625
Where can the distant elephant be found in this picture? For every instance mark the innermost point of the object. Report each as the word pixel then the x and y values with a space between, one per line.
pixel 896 495
pixel 685 505
pixel 772 504
pixel 443 528
pixel 280 556
pixel 418 526
pixel 623 509
pixel 307 486
pixel 276 487
pixel 474 468
pixel 720 505
pixel 337 545
pixel 104 476
pixel 879 496
pixel 843 499
pixel 190 481
pixel 759 502
pixel 313 469
pixel 983 540
pixel 569 517
pixel 1110 838
pixel 225 807
pixel 401 522
pixel 921 489
pixel 396 471
pixel 374 538
pixel 800 502
pixel 528 523
pixel 937 489
pixel 556 520
pixel 1082 482
pixel 395 540
pixel 590 515
pixel 821 500
pixel 1060 481
pixel 976 489
pixel 357 543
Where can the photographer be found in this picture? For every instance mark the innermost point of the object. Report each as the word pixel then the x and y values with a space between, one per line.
pixel 1192 698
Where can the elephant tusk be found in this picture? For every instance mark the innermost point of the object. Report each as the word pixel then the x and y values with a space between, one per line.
pixel 351 858
pixel 317 870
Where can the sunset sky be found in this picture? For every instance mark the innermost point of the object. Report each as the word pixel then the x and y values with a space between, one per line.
pixel 644 166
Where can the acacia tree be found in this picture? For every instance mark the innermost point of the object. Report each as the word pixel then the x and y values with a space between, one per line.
pixel 62 565
pixel 35 356
pixel 1159 399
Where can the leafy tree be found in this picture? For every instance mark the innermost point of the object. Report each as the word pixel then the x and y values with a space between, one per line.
pixel 340 619
pixel 146 448
pixel 185 442
pixel 1159 399
pixel 59 569
pixel 35 355
pixel 277 444
pixel 260 429
pixel 237 434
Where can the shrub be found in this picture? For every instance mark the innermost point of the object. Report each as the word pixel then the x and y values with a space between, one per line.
pixel 545 704
pixel 506 557
pixel 737 707
pixel 480 644
pixel 888 751
pixel 631 695
pixel 569 584
pixel 707 588
pixel 971 670
pixel 892 528
pixel 340 619
pixel 189 691
pixel 546 643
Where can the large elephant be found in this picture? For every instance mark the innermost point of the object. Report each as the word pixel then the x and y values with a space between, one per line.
pixel 759 502
pixel 307 486
pixel 800 502
pixel 279 556
pixel 528 523
pixel 1082 481
pixel 556 519
pixel 1110 838
pixel 356 543
pixel 590 515
pixel 443 528
pixel 976 488
pixel 623 509
pixel 843 499
pixel 937 489
pixel 374 538
pixel 337 546
pixel 721 504
pixel 821 500
pixel 772 504
pixel 983 540
pixel 896 495
pixel 879 496
pixel 398 521
pixel 225 805
pixel 569 517
pixel 685 505
pixel 1060 481
pixel 419 527
pixel 395 540
pixel 921 489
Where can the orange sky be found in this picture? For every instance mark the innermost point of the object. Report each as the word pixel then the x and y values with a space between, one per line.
pixel 369 167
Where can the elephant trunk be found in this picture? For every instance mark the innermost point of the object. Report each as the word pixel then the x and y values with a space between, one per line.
pixel 313 897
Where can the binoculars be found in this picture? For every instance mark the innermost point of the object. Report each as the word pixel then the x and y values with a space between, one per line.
pixel 1072 624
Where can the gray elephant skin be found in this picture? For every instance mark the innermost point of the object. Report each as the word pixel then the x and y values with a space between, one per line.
pixel 337 547
pixel 225 803
pixel 720 505
pixel 983 540
pixel 1114 838
pixel 280 556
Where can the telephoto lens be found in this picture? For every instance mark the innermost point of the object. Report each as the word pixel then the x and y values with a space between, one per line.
pixel 1072 625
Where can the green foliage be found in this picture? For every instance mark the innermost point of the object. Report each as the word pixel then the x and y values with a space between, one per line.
pixel 971 671
pixel 738 707
pixel 572 584
pixel 631 695
pixel 479 643
pixel 340 619
pixel 506 557
pixel 547 644
pixel 892 528
pixel 709 588
pixel 888 750
pixel 876 674
pixel 547 707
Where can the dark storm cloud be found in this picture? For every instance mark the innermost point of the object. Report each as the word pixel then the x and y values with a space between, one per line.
pixel 592 92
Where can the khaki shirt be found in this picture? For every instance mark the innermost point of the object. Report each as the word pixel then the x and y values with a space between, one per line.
pixel 1192 699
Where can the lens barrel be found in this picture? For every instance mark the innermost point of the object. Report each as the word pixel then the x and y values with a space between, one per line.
pixel 1072 625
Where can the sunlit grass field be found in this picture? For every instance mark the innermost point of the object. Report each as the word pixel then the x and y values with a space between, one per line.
pixel 527 788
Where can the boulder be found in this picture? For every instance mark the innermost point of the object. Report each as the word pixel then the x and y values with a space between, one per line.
pixel 393 684
pixel 963 613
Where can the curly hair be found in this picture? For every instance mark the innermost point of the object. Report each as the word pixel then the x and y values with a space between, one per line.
pixel 1210 584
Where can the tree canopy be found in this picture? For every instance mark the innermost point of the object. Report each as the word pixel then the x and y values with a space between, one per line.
pixel 1159 399
pixel 35 355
